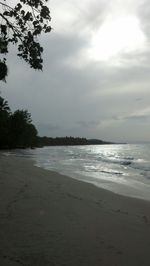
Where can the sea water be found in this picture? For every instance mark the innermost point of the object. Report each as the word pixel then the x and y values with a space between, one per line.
pixel 123 169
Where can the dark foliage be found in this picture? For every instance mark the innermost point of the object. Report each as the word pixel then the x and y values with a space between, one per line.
pixel 4 121
pixel 21 25
pixel 46 141
pixel 16 129
pixel 64 141
pixel 3 70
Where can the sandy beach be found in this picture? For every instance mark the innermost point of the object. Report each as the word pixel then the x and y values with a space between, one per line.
pixel 49 219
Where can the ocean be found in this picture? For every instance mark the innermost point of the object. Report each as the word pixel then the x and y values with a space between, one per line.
pixel 122 169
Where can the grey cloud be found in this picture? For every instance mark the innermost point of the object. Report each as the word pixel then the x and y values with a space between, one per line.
pixel 88 124
pixel 93 15
pixel 47 129
pixel 139 99
pixel 48 126
pixel 144 15
pixel 60 46
pixel 137 117
pixel 140 117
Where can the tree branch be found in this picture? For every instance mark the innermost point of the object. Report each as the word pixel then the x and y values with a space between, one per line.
pixel 11 26
pixel 6 5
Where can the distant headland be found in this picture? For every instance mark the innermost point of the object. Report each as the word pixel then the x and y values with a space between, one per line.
pixel 64 141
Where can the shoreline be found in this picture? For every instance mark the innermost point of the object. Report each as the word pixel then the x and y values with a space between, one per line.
pixel 119 189
pixel 129 187
pixel 50 219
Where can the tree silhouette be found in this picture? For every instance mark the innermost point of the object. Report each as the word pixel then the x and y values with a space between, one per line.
pixel 19 122
pixel 21 25
pixel 4 121
pixel 4 105
pixel 16 129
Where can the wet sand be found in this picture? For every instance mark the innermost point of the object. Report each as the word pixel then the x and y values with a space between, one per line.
pixel 49 219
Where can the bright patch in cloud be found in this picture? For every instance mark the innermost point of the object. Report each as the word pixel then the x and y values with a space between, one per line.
pixel 117 36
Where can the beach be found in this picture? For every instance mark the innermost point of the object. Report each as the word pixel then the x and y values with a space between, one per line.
pixel 50 219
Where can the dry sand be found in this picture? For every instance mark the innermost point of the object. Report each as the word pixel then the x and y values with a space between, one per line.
pixel 49 219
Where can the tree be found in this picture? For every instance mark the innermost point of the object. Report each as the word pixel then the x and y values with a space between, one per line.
pixel 4 121
pixel 4 105
pixel 21 25
pixel 16 129
pixel 29 136
pixel 19 122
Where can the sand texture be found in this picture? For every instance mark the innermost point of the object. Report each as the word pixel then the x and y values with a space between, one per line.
pixel 49 219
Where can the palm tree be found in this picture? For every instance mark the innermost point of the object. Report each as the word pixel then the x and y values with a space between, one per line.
pixel 4 105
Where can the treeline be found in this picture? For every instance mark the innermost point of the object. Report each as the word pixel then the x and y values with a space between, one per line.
pixel 16 129
pixel 60 141
pixel 64 141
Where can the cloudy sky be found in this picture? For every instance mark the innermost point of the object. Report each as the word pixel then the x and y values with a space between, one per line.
pixel 96 78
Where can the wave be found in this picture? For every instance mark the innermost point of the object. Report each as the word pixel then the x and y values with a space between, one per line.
pixel 128 158
pixel 121 161
pixel 111 172
pixel 141 167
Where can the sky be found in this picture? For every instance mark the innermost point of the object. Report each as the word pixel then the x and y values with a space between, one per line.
pixel 96 74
